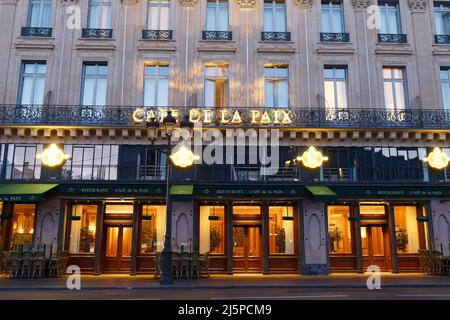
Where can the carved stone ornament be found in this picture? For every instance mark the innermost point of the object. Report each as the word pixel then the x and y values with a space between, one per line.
pixel 304 4
pixel 418 5
pixel 188 3
pixel 361 4
pixel 246 4
pixel 130 3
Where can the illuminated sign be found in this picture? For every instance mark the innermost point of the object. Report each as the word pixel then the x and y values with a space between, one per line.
pixel 221 116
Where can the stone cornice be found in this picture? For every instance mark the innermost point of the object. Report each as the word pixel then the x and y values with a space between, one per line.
pixel 418 5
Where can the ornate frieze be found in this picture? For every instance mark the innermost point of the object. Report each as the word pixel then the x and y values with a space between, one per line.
pixel 130 3
pixel 246 4
pixel 304 4
pixel 188 3
pixel 361 4
pixel 418 5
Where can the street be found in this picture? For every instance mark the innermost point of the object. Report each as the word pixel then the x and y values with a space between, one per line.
pixel 400 293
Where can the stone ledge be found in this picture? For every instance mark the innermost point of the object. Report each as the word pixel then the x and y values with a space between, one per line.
pixel 156 45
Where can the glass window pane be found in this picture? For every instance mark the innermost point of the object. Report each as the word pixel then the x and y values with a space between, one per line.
pixel 341 89
pixel 268 25
pixel 39 91
pixel 339 230
pixel 212 229
pixel 150 92
pixel 152 18
pixel 337 22
pixel 163 92
pixel 127 235
pixel 210 93
pixel 211 19
pixel 88 92
pixel 269 94
pixel 47 16
pixel 400 95
pixel 330 99
pixel 283 94
pixel 83 231
pixel 446 95
pixel 223 19
pixel 326 26
pixel 22 225
pixel 281 230
pixel 406 229
pixel 280 17
pixel 389 95
pixel 112 237
pixel 164 20
pixel 152 228
pixel 100 99
pixel 27 87
pixel 94 16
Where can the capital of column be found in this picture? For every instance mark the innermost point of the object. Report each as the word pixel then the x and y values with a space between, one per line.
pixel 130 3
pixel 418 5
pixel 246 4
pixel 188 3
pixel 361 4
pixel 5 2
pixel 304 4
pixel 68 2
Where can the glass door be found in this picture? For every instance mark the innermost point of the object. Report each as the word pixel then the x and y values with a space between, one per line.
pixel 118 242
pixel 247 249
pixel 374 243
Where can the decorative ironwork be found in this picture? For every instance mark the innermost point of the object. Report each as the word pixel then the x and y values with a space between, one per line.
pixel 97 33
pixel 392 38
pixel 36 32
pixel 334 37
pixel 275 36
pixel 442 39
pixel 63 115
pixel 217 35
pixel 157 34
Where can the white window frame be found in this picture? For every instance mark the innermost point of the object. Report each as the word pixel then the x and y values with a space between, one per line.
pixel 35 76
pixel 157 77
pixel 439 12
pixel 335 81
pixel 99 19
pixel 274 6
pixel 385 9
pixel 217 5
pixel 394 81
pixel 332 7
pixel 96 76
pixel 158 4
pixel 276 80
pixel 445 82
pixel 217 76
pixel 41 4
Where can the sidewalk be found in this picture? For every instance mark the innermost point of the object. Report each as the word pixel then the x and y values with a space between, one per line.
pixel 124 282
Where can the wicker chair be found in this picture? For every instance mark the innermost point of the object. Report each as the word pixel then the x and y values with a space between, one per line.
pixel 6 264
pixel 15 264
pixel 184 264
pixel 195 264
pixel 38 264
pixel 62 264
pixel 157 260
pixel 174 261
pixel 26 264
pixel 205 263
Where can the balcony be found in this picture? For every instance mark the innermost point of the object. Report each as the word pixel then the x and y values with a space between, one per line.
pixel 36 32
pixel 87 33
pixel 442 39
pixel 392 38
pixel 275 36
pixel 217 35
pixel 97 116
pixel 334 37
pixel 157 34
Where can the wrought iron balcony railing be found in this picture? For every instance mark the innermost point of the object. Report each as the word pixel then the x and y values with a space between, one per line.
pixel 64 115
pixel 96 33
pixel 36 32
pixel 157 34
pixel 334 37
pixel 217 35
pixel 275 36
pixel 392 38
pixel 442 39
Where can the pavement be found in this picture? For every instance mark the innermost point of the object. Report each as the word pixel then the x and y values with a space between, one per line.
pixel 219 282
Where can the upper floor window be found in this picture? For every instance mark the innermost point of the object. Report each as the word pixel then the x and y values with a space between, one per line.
pixel 335 84
pixel 332 17
pixel 22 163
pixel 394 88
pixel 442 18
pixel 40 14
pixel 99 16
pixel 445 85
pixel 32 83
pixel 390 18
pixel 156 85
pixel 158 17
pixel 276 86
pixel 94 84
pixel 274 16
pixel 217 15
pixel 216 85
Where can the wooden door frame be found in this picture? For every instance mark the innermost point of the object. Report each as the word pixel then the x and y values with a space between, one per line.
pixel 246 257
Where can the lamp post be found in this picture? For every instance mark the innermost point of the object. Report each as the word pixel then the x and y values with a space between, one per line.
pixel 168 126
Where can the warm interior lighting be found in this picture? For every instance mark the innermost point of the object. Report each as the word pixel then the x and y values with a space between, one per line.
pixel 363 232
pixel 437 159
pixel 312 158
pixel 183 157
pixel 53 156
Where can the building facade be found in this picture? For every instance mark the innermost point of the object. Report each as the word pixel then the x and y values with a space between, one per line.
pixel 366 82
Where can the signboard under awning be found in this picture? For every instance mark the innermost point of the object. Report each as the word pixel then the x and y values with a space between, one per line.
pixel 29 192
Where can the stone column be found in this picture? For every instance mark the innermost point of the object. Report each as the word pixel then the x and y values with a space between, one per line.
pixel 6 212
pixel 393 239
pixel 358 246
pixel 134 239
pixel 440 224
pixel 265 237
pixel 315 261
pixel 229 231
pixel 99 238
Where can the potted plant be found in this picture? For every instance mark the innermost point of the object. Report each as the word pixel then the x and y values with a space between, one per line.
pixel 280 240
pixel 402 239
pixel 215 239
pixel 335 236
pixel 86 238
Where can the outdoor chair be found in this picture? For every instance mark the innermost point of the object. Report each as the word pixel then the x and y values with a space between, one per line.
pixel 62 264
pixel 38 264
pixel 157 260
pixel 174 264
pixel 15 264
pixel 195 264
pixel 184 264
pixel 6 264
pixel 205 263
pixel 26 264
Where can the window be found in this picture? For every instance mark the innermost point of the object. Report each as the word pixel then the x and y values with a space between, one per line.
pixel 442 18
pixel 406 229
pixel 216 85
pixel 95 79
pixel 335 83
pixel 217 15
pixel 212 229
pixel 158 17
pixel 275 16
pixel 390 18
pixel 276 86
pixel 372 210
pixel 83 224
pixel 22 163
pixel 394 88
pixel 445 86
pixel 339 230
pixel 156 85
pixel 281 230
pixel 332 17
pixel 91 162
pixel 99 16
pixel 153 227
pixel 152 164
pixel 40 14
pixel 32 83
pixel 22 225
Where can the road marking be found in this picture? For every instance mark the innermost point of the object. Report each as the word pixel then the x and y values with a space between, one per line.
pixel 284 297
pixel 423 295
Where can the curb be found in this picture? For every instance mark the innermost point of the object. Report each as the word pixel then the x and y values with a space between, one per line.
pixel 226 287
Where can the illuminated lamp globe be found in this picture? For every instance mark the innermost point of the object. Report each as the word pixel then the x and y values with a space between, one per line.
pixel 53 156
pixel 183 157
pixel 312 158
pixel 437 159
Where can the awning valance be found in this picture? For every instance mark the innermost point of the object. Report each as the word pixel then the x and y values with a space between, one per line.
pixel 181 192
pixel 322 193
pixel 24 192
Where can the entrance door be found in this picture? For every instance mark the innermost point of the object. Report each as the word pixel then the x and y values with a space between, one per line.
pixel 375 246
pixel 247 249
pixel 117 248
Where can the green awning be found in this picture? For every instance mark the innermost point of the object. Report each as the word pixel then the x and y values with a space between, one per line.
pixel 181 192
pixel 322 193
pixel 23 192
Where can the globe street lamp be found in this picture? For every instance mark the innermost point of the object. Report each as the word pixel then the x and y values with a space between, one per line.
pixel 167 127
